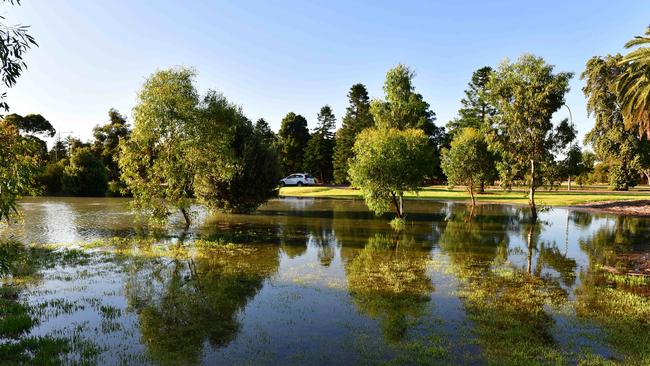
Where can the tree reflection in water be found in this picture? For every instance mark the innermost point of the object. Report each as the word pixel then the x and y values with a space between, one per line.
pixel 388 281
pixel 506 302
pixel 182 304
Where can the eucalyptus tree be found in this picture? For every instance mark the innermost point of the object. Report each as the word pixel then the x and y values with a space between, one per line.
pixel 15 40
pixel 526 94
pixel 357 118
pixel 33 127
pixel 157 162
pixel 320 148
pixel 633 85
pixel 19 166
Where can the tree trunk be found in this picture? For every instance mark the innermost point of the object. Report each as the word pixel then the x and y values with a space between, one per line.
pixel 398 206
pixel 531 195
pixel 481 188
pixel 471 193
pixel 568 188
pixel 186 216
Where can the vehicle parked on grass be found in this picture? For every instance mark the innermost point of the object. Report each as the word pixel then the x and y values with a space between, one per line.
pixel 298 179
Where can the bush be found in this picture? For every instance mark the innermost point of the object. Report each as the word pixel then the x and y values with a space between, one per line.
pixel 86 175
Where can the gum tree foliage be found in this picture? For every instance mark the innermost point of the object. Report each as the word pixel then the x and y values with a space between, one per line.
pixel 183 147
pixel 388 162
pixel 403 108
pixel 19 166
pixel 250 176
pixel 633 85
pixel 34 127
pixel 85 174
pixel 106 145
pixel 526 94
pixel 320 148
pixel 294 137
pixel 467 162
pixel 357 118
pixel 158 161
pixel 611 141
pixel 15 40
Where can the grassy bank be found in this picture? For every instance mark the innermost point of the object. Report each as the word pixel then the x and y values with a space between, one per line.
pixel 560 197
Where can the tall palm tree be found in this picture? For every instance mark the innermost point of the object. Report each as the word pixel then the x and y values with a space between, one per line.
pixel 633 86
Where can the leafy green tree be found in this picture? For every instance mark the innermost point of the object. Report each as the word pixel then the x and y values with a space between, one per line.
pixel 294 137
pixel 475 111
pixel 106 145
pixel 387 163
pixel 468 162
pixel 611 141
pixel 32 124
pixel 588 165
pixel 633 85
pixel 15 40
pixel 526 94
pixel 574 164
pixel 34 127
pixel 403 108
pixel 19 165
pixel 51 177
pixel 157 162
pixel 85 175
pixel 320 148
pixel 250 151
pixel 357 118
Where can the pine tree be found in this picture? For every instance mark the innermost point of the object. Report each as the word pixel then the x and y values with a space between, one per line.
pixel 356 119
pixel 318 155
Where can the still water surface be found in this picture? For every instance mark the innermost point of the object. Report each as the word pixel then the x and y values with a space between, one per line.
pixel 322 281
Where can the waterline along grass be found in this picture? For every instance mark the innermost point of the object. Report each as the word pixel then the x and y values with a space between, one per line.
pixel 558 197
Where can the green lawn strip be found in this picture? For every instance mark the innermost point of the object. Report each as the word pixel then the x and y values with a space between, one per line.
pixel 548 198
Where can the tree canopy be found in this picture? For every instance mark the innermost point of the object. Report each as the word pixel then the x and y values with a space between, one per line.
pixel 294 137
pixel 475 110
pixel 526 94
pixel 15 40
pixel 320 148
pixel 157 162
pixel 388 162
pixel 357 118
pixel 467 162
pixel 19 165
pixel 611 141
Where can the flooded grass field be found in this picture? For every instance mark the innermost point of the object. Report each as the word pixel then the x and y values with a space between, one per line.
pixel 318 281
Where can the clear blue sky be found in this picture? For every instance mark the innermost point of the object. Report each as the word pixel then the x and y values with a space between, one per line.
pixel 273 57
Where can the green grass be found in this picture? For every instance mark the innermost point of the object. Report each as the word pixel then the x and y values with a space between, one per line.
pixel 560 197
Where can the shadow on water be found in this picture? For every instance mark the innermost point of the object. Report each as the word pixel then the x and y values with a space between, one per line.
pixel 303 277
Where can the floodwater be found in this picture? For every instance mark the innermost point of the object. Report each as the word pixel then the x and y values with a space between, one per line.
pixel 319 281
